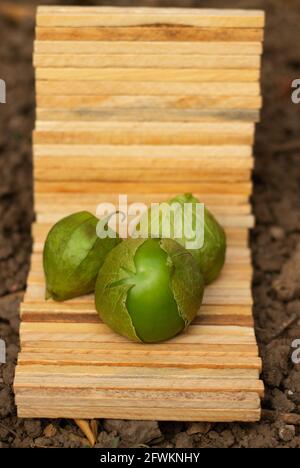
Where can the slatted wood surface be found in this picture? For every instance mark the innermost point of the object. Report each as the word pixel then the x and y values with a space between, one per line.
pixel 149 103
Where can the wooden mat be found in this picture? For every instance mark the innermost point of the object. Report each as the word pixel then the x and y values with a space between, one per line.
pixel 149 103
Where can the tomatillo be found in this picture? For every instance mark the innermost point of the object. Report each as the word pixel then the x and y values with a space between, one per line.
pixel 73 255
pixel 149 290
pixel 211 255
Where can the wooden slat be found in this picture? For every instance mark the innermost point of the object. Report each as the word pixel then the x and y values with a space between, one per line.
pixel 148 115
pixel 110 16
pixel 138 399
pixel 144 188
pixel 172 414
pixel 71 381
pixel 148 33
pixel 143 360
pixel 144 133
pixel 181 103
pixel 147 48
pixel 189 75
pixel 131 348
pixel 147 61
pixel 87 199
pixel 58 169
pixel 50 202
pixel 169 151
pixel 65 87
pixel 66 210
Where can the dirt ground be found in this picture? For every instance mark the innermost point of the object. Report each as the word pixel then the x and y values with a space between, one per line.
pixel 275 242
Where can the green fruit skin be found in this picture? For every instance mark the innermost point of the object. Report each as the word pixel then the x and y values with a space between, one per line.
pixel 211 256
pixel 73 255
pixel 149 290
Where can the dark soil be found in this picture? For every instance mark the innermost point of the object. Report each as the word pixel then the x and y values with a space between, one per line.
pixel 275 243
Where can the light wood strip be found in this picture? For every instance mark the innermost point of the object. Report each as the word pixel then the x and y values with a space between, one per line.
pixel 147 61
pixel 60 170
pixel 63 87
pixel 154 361
pixel 90 103
pixel 158 414
pixel 228 127
pixel 56 381
pixel 138 374
pixel 146 151
pixel 208 315
pixel 149 115
pixel 118 16
pixel 131 163
pixel 138 399
pixel 65 210
pixel 110 188
pixel 142 137
pixel 147 48
pixel 148 33
pixel 40 314
pixel 156 348
pixel 143 75
pixel 230 204
pixel 86 201
pixel 100 333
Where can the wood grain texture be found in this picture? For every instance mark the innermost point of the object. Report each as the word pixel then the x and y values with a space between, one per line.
pixel 145 48
pixel 158 414
pixel 111 16
pixel 168 151
pixel 146 134
pixel 149 103
pixel 148 115
pixel 183 102
pixel 143 75
pixel 117 88
pixel 149 33
pixel 112 189
pixel 159 61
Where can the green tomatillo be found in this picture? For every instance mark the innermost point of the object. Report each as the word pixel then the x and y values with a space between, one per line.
pixel 210 256
pixel 149 290
pixel 73 255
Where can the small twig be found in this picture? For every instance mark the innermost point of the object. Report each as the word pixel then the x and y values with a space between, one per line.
pixel 85 427
pixel 94 427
